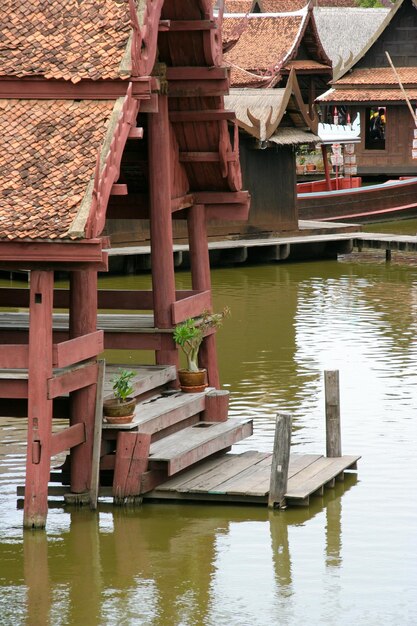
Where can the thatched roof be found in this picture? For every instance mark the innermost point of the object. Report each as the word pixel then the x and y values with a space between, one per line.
pixel 345 31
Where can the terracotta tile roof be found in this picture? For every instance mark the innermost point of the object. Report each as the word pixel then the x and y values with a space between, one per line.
pixel 265 43
pixel 48 151
pixel 307 64
pixel 238 6
pixel 279 6
pixel 68 40
pixel 379 76
pixel 366 95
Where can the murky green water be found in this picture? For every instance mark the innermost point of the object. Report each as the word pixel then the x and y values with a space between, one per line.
pixel 348 559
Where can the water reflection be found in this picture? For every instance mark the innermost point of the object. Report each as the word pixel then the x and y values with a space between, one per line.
pixel 165 565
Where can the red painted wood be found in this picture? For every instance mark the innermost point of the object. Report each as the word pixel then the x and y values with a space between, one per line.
pixel 204 157
pixel 131 462
pixel 196 73
pixel 13 388
pixel 187 25
pixel 81 252
pixel 65 90
pixel 39 406
pixel 119 189
pixel 217 406
pixel 198 88
pixel 221 197
pixel 68 438
pixel 191 307
pixel 136 132
pixel 66 382
pixel 83 320
pixel 152 479
pixel 14 357
pixel 78 349
pixel 228 212
pixel 132 341
pixel 163 280
pixel 201 116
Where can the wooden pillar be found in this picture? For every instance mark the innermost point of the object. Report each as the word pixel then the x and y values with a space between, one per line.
pixel 333 436
pixel 83 320
pixel 38 455
pixel 201 281
pixel 163 278
pixel 326 167
pixel 280 461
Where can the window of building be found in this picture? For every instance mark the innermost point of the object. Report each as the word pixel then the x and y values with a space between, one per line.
pixel 375 128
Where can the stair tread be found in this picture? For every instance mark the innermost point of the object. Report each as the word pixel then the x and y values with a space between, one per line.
pixel 191 437
pixel 159 405
pixel 147 377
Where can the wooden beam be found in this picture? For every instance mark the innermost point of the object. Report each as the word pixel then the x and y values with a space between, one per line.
pixel 196 73
pixel 221 197
pixel 204 87
pixel 280 461
pixel 81 251
pixel 228 212
pixel 40 89
pixel 98 425
pixel 79 349
pixel 132 452
pixel 67 438
pixel 212 115
pixel 65 382
pixel 205 157
pixel 187 25
pixel 136 132
pixel 14 356
pixel 119 189
pixel 13 388
pixel 191 307
pixel 332 396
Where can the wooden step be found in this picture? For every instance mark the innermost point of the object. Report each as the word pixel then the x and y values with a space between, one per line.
pixel 197 442
pixel 161 412
pixel 147 377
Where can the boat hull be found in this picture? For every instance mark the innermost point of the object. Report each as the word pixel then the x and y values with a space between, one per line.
pixel 375 203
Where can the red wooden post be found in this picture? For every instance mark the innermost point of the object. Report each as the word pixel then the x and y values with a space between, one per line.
pixel 217 406
pixel 163 278
pixel 132 453
pixel 83 320
pixel 201 281
pixel 326 167
pixel 38 454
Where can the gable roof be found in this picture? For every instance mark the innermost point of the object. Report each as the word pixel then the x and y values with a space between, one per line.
pixel 64 40
pixel 266 43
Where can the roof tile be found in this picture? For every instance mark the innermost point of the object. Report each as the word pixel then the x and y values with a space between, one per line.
pixel 48 151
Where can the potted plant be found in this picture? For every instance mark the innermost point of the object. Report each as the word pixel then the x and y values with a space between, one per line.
pixel 189 335
pixel 120 409
pixel 300 165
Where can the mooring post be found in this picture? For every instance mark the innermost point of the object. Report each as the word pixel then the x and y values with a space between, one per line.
pixel 280 461
pixel 333 436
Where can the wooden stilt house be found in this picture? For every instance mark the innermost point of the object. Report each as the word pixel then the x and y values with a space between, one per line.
pixel 368 84
pixel 107 110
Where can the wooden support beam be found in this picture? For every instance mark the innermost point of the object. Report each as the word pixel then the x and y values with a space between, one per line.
pixel 228 212
pixel 84 251
pixel 136 132
pixel 77 378
pixel 38 455
pixel 83 321
pixel 79 349
pixel 205 87
pixel 67 438
pixel 186 25
pixel 14 357
pixel 132 453
pixel 210 115
pixel 13 388
pixel 196 73
pixel 119 189
pixel 192 306
pixel 41 89
pixel 98 426
pixel 221 197
pixel 280 461
pixel 332 396
pixel 163 278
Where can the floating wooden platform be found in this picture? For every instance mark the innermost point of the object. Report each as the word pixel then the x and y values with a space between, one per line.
pixel 245 478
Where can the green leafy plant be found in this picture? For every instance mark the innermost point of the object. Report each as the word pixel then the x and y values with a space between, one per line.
pixel 122 386
pixel 189 334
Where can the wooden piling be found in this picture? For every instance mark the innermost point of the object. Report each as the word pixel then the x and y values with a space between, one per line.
pixel 280 461
pixel 332 395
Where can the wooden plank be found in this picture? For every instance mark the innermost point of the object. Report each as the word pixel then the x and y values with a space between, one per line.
pixel 210 480
pixel 146 378
pixel 205 157
pixel 188 25
pixel 67 438
pixel 280 461
pixel 204 87
pixel 131 462
pixel 243 481
pixel 79 349
pixel 195 474
pixel 13 388
pixel 192 306
pixel 119 189
pixel 65 382
pixel 46 252
pixel 318 474
pixel 14 356
pixel 160 412
pixel 332 399
pixel 190 445
pixel 98 422
pixel 196 73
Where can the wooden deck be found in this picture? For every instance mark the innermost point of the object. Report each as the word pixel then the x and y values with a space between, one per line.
pixel 245 478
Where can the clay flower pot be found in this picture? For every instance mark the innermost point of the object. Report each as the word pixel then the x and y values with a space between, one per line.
pixel 192 382
pixel 116 412
pixel 310 167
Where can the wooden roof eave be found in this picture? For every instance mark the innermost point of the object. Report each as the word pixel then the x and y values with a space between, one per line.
pixel 28 254
pixel 308 22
